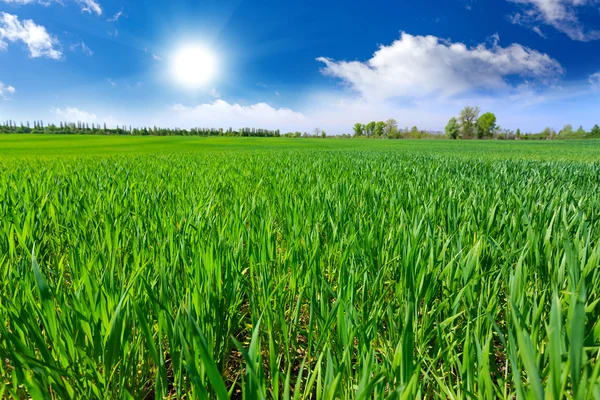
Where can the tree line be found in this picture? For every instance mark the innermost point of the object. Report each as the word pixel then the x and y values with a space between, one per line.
pixel 389 130
pixel 82 128
pixel 471 124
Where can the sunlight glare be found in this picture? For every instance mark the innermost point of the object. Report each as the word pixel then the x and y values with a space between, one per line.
pixel 193 66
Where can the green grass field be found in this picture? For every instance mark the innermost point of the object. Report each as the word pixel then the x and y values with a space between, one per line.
pixel 150 267
pixel 51 146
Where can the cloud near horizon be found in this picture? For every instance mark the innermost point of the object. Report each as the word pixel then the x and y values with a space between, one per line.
pixel 73 114
pixel 219 113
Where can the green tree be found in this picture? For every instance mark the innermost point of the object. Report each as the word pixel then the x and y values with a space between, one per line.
pixel 486 125
pixel 452 129
pixel 379 129
pixel 548 133
pixel 359 129
pixel 414 133
pixel 595 132
pixel 580 132
pixel 467 119
pixel 391 128
pixel 566 131
pixel 370 128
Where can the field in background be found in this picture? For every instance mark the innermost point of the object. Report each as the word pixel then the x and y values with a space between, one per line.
pixel 18 146
pixel 150 267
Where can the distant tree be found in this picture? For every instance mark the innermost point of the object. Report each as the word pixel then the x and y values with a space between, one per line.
pixel 379 129
pixel 567 131
pixel 370 128
pixel 580 132
pixel 467 119
pixel 452 129
pixel 317 132
pixel 595 132
pixel 518 134
pixel 359 129
pixel 391 128
pixel 414 133
pixel 486 125
pixel 548 133
pixel 323 134
pixel 510 134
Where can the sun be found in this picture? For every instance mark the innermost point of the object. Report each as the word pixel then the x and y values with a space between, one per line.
pixel 193 66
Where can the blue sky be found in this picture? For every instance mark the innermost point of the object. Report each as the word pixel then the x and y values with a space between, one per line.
pixel 297 65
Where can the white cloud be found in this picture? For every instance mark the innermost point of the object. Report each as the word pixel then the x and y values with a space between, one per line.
pixel 111 82
pixel 563 15
pixel 116 17
pixel 90 6
pixel 39 42
pixel 214 93
pixel 73 114
pixel 223 114
pixel 418 66
pixel 594 80
pixel 156 57
pixel 276 93
pixel 6 90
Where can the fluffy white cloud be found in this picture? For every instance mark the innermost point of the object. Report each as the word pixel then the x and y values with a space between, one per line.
pixel 223 114
pixel 594 80
pixel 6 90
pixel 418 66
pixel 89 6
pixel 560 14
pixel 74 115
pixel 39 42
